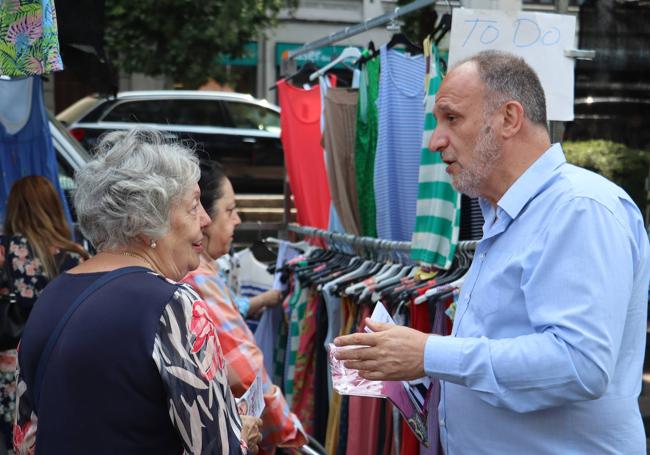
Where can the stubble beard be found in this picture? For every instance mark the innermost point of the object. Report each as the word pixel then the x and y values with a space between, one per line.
pixel 487 152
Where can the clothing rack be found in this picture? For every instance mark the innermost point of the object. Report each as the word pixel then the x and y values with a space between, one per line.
pixel 372 245
pixel 364 26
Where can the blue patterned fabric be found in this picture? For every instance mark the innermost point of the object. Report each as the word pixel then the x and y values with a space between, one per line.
pixel 397 162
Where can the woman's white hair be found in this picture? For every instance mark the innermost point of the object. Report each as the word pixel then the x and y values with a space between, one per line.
pixel 130 187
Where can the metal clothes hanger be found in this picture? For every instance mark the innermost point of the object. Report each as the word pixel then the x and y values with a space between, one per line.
pixel 347 54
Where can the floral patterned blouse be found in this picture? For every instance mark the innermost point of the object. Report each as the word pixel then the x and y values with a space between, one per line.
pixel 29 43
pixel 27 273
pixel 27 280
pixel 186 353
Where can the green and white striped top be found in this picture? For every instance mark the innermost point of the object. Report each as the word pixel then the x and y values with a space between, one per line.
pixel 438 209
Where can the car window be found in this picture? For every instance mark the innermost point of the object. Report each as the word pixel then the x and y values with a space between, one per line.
pixel 169 112
pixel 198 112
pixel 246 115
pixel 150 111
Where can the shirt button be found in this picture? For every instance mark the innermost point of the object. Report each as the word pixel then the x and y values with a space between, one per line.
pixel 442 422
pixel 482 255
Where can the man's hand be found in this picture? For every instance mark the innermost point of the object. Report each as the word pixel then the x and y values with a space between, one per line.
pixel 394 353
pixel 250 432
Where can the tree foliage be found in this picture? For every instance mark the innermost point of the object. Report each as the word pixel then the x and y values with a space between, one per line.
pixel 182 39
pixel 626 167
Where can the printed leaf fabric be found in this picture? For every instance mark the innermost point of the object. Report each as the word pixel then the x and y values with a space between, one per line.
pixel 189 357
pixel 29 43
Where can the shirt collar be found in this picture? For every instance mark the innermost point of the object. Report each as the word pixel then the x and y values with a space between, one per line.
pixel 531 181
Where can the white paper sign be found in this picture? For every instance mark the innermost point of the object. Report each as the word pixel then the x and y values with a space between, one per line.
pixel 251 403
pixel 540 38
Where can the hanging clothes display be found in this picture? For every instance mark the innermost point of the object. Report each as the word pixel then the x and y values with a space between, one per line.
pixel 325 82
pixel 438 204
pixel 28 34
pixel 338 138
pixel 266 335
pixel 366 145
pixel 25 142
pixel 397 161
pixel 301 139
pixel 357 283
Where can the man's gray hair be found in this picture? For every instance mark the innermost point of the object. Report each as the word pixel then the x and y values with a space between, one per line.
pixel 131 186
pixel 509 77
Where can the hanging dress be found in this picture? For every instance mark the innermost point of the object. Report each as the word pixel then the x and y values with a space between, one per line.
pixel 303 154
pixel 438 205
pixel 397 162
pixel 366 146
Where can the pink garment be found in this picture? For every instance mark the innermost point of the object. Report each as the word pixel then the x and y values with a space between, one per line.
pixel 303 154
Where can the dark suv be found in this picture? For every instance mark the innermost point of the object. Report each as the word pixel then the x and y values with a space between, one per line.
pixel 239 131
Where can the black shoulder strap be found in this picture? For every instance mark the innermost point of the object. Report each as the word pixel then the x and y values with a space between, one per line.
pixel 54 336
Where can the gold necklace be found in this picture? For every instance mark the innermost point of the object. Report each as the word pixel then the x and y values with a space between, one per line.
pixel 139 256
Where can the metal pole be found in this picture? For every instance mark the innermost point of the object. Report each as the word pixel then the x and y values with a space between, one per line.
pixel 360 28
pixel 557 128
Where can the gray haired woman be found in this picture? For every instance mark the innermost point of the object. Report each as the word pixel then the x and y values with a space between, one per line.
pixel 117 357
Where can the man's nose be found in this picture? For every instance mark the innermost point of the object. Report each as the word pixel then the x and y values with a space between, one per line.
pixel 438 141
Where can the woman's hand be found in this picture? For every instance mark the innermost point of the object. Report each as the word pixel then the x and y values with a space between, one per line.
pixel 272 297
pixel 250 432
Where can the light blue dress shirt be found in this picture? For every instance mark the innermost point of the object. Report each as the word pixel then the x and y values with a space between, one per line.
pixel 546 352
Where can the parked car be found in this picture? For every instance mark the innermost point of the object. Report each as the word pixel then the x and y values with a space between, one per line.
pixel 239 131
pixel 70 156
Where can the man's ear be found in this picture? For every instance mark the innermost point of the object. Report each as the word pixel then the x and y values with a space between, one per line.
pixel 513 118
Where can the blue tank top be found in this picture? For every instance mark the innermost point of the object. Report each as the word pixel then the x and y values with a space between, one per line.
pixel 397 161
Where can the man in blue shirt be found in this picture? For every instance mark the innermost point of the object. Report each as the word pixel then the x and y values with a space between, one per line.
pixel 547 347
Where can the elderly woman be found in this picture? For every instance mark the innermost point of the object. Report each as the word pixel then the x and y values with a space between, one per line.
pixel 117 356
pixel 242 356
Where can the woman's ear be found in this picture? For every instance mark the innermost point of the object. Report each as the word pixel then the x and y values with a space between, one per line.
pixel 513 118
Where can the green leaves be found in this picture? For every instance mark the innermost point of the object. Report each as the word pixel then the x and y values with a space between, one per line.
pixel 625 166
pixel 182 39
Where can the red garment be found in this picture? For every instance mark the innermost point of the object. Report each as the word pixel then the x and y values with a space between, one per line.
pixel 303 154
pixel 363 412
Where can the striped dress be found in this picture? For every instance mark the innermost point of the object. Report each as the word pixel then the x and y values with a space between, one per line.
pixel 397 162
pixel 438 205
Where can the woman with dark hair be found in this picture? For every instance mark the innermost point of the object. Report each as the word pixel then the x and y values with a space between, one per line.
pixel 244 359
pixel 36 247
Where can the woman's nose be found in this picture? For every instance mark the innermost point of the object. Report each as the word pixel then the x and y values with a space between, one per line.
pixel 204 217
